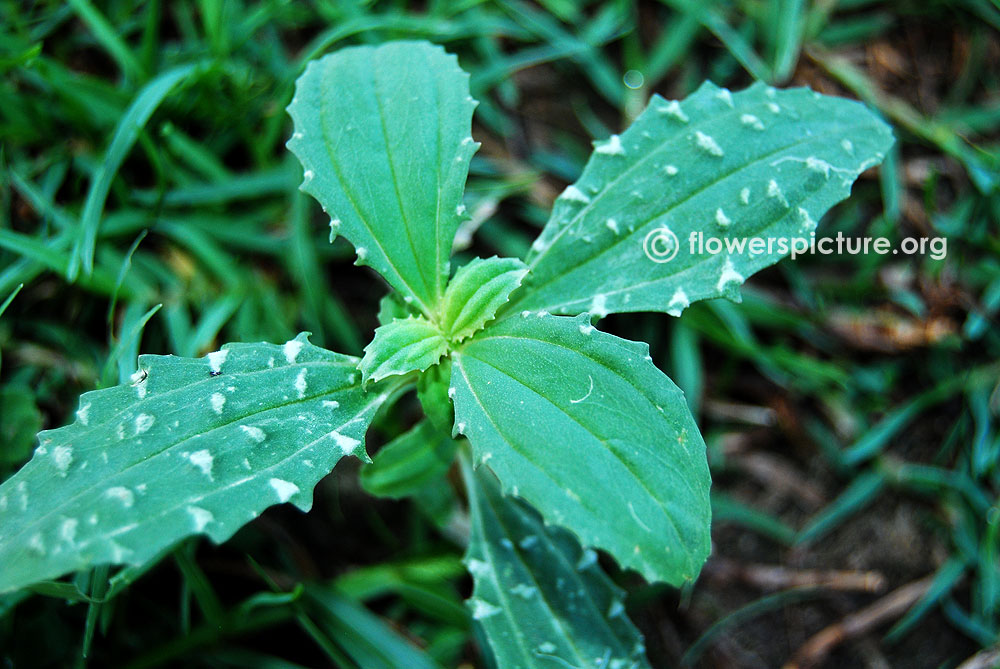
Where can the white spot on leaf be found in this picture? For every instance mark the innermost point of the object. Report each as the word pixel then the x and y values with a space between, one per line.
pixel 678 303
pixel 218 401
pixel 774 191
pixel 599 305
pixel 708 144
pixel 254 433
pixel 200 517
pixel 67 530
pixel 728 276
pixel 143 422
pixel 524 591
pixel 122 494
pixel 291 350
pixel 673 108
pixel 284 489
pixel 721 218
pixel 574 194
pixel 482 609
pixel 216 360
pixel 478 568
pixel 300 383
pixel 62 457
pixel 138 380
pixel 613 147
pixel 36 544
pixel 203 460
pixel 345 443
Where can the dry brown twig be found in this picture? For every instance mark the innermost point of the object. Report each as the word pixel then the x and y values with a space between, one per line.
pixel 771 578
pixel 813 651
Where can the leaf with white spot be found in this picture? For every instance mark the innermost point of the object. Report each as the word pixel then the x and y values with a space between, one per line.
pixel 402 346
pixel 392 307
pixel 476 292
pixel 582 425
pixel 190 446
pixel 542 600
pixel 383 134
pixel 762 163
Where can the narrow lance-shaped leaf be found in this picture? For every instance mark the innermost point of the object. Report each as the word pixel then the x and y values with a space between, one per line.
pixel 129 127
pixel 190 446
pixel 582 425
pixel 383 134
pixel 408 345
pixel 476 292
pixel 541 599
pixel 368 639
pixel 760 163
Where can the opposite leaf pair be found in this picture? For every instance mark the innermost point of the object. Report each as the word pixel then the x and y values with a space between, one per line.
pixel 471 300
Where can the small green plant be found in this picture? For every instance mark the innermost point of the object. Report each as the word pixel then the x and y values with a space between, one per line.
pixel 577 428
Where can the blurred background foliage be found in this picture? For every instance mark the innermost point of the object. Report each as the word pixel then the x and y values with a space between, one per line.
pixel 850 404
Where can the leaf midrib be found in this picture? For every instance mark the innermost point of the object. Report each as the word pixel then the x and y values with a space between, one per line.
pixel 534 289
pixel 598 361
pixel 552 618
pixel 354 203
pixel 395 179
pixel 604 443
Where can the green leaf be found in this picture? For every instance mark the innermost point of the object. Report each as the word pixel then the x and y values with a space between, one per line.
pixel 392 307
pixel 409 462
pixel 383 134
pixel 542 600
pixel 368 639
pixel 191 446
pixel 759 163
pixel 432 391
pixel 476 292
pixel 582 425
pixel 409 345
